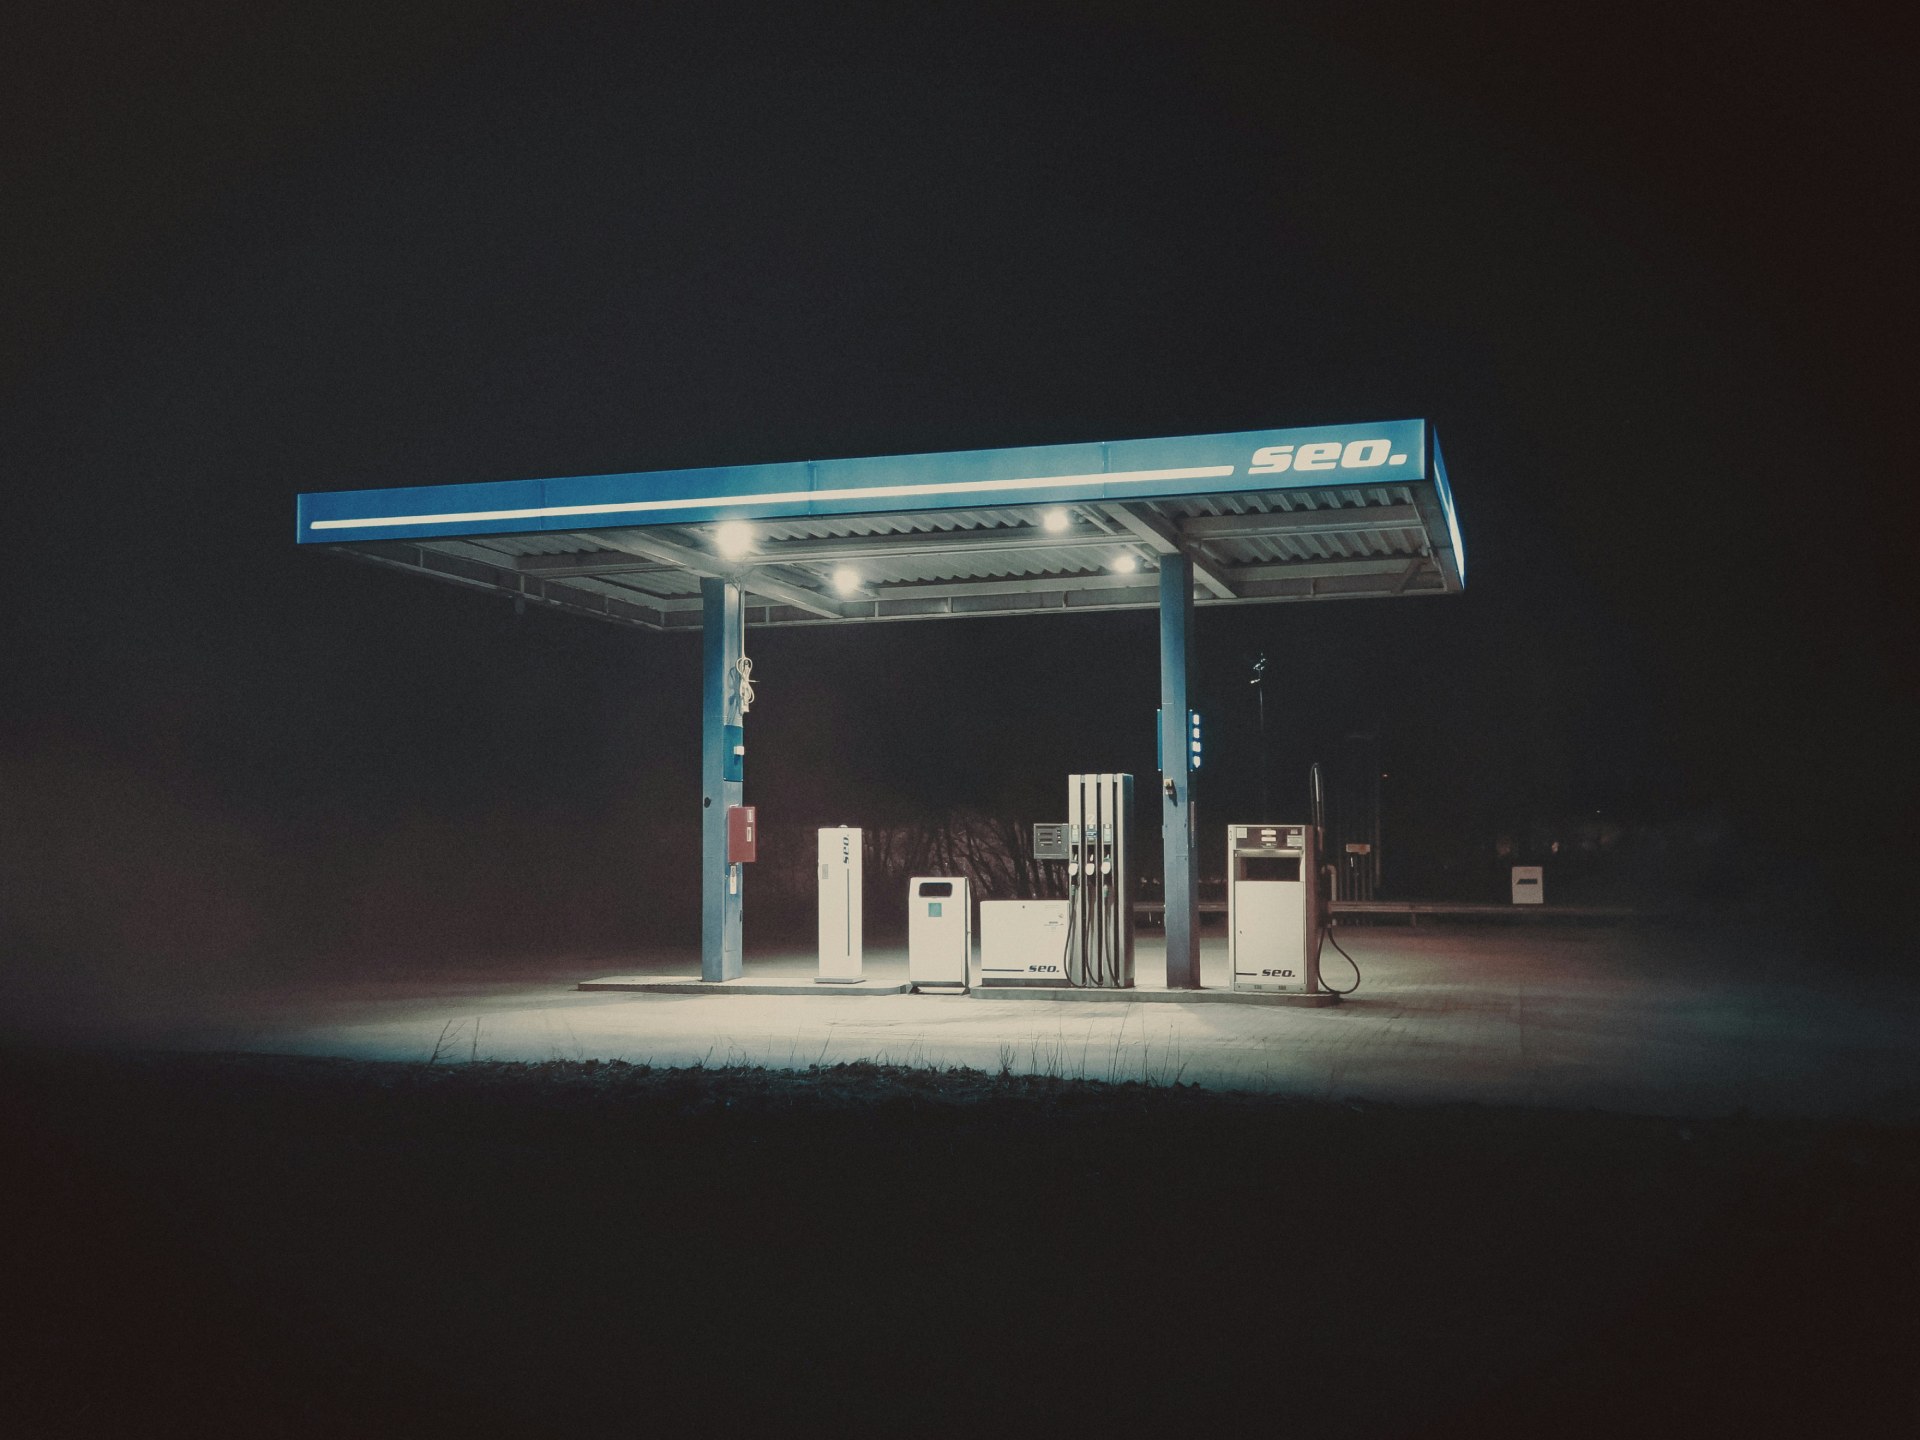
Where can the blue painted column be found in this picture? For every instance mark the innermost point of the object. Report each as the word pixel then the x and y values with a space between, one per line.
pixel 1176 798
pixel 723 626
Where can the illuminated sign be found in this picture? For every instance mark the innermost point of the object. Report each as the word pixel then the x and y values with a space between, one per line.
pixel 1324 455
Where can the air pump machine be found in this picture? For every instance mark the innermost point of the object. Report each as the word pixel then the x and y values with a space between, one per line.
pixel 1280 904
pixel 1274 899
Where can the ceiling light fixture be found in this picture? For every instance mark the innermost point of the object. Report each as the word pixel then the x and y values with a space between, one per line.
pixel 734 539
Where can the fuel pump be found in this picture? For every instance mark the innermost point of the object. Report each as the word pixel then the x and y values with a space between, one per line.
pixel 1273 908
pixel 1099 939
pixel 1280 904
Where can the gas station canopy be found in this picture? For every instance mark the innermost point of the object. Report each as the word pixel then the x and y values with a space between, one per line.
pixel 1320 513
pixel 1316 513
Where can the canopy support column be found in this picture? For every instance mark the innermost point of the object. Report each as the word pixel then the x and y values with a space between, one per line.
pixel 723 637
pixel 1176 798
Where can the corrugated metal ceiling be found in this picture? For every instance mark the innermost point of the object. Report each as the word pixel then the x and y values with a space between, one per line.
pixel 1271 545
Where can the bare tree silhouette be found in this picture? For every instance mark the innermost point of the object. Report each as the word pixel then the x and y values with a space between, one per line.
pixel 993 851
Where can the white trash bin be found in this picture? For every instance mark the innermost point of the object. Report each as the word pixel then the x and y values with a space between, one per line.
pixel 939 930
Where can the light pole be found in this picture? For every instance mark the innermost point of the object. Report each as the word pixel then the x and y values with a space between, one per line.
pixel 1260 700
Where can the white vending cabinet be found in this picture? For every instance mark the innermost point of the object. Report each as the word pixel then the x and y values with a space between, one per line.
pixel 1023 942
pixel 939 930
pixel 840 939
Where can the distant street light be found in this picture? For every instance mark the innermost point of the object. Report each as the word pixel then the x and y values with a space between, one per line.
pixel 1260 699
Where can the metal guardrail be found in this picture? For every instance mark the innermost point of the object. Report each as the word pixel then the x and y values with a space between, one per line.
pixel 1416 910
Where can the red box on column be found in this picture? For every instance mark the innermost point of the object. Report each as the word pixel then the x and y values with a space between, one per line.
pixel 743 842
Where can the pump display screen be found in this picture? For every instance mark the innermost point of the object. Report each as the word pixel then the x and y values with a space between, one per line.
pixel 1050 842
pixel 937 887
pixel 1270 867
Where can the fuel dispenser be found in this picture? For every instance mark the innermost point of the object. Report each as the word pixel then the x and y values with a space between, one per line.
pixel 1274 908
pixel 1085 940
pixel 939 931
pixel 1099 940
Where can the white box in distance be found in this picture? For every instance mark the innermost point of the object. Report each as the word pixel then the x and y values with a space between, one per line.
pixel 841 940
pixel 1023 942
pixel 1529 885
pixel 939 930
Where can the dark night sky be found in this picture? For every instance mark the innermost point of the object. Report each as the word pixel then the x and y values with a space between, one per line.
pixel 1642 270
